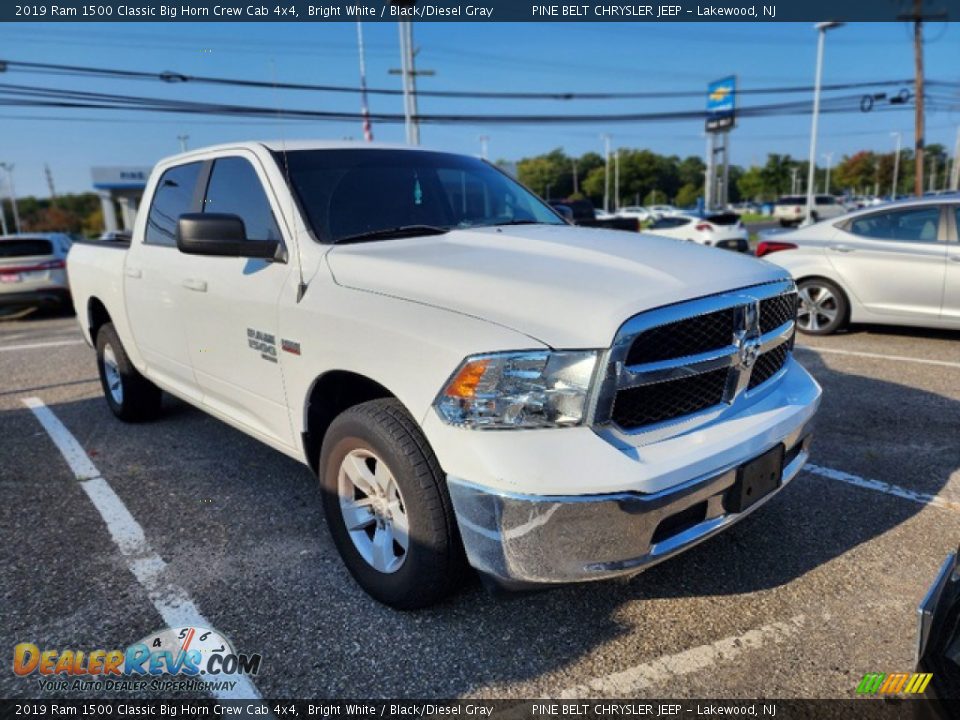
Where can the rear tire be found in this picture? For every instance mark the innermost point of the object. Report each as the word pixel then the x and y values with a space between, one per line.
pixel 386 503
pixel 131 397
pixel 824 307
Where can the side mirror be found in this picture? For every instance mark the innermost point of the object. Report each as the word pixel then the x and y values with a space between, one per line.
pixel 565 212
pixel 221 235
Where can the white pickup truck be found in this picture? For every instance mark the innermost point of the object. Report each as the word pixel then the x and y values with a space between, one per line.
pixel 471 378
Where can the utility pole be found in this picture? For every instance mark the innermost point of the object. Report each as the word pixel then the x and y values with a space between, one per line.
pixel 576 181
pixel 46 171
pixel 793 180
pixel 606 172
pixel 896 167
pixel 408 69
pixel 826 185
pixel 8 167
pixel 934 168
pixel 484 140
pixel 918 94
pixel 364 108
pixel 183 142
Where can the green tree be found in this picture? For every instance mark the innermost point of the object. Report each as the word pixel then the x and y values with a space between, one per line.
pixel 752 186
pixel 688 195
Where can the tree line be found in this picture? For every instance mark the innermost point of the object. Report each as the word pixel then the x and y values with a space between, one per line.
pixel 648 178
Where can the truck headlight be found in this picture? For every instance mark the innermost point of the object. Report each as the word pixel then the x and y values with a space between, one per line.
pixel 519 390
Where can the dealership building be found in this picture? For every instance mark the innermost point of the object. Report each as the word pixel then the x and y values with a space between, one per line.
pixel 121 186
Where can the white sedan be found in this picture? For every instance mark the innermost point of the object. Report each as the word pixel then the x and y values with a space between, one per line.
pixel 897 264
pixel 638 212
pixel 722 230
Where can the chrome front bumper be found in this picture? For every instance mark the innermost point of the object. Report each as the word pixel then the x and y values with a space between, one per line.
pixel 520 541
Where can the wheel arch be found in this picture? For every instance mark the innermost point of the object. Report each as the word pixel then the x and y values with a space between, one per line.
pixel 329 395
pixel 97 317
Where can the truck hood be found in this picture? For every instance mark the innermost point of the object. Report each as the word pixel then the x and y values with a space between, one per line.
pixel 564 286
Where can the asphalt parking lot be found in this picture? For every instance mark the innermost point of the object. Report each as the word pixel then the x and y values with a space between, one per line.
pixel 798 600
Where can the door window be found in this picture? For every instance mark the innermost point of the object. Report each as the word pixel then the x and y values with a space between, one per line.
pixel 235 189
pixel 669 222
pixel 172 198
pixel 913 225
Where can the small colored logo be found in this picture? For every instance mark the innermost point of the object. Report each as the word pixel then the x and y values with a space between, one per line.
pixel 195 653
pixel 894 683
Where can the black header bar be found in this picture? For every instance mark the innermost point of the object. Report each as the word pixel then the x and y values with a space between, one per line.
pixel 645 11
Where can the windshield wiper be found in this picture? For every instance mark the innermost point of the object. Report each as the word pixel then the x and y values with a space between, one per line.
pixel 394 232
pixel 517 222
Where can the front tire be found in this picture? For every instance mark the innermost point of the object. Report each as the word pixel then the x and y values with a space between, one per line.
pixel 131 397
pixel 387 506
pixel 824 308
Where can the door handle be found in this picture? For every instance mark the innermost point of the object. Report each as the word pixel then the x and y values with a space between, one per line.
pixel 133 272
pixel 195 285
pixel 841 248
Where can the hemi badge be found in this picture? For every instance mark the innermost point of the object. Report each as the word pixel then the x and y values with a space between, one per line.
pixel 290 346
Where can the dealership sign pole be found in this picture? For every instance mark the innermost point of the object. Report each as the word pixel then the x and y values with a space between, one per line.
pixel 721 118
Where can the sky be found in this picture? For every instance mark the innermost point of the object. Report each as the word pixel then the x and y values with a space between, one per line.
pixel 539 57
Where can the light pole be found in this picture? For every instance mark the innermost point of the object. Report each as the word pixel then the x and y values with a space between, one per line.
pixel 826 185
pixel 606 172
pixel 616 180
pixel 484 140
pixel 896 166
pixel 183 142
pixel 8 167
pixel 822 34
pixel 576 181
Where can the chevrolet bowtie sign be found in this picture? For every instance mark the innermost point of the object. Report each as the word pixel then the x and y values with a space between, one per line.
pixel 721 104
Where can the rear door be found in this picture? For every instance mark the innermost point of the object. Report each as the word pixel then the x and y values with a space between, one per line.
pixel 894 260
pixel 153 277
pixel 231 306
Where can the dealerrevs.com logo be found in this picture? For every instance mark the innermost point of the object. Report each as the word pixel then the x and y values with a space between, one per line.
pixel 195 658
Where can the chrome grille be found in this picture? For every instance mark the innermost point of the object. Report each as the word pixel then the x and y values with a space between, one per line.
pixel 768 365
pixel 775 311
pixel 673 368
pixel 648 404
pixel 690 336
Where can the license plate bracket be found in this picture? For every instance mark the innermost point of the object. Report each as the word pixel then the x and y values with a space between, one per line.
pixel 755 480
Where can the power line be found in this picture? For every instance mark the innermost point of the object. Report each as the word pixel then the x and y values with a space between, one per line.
pixel 172 77
pixel 26 96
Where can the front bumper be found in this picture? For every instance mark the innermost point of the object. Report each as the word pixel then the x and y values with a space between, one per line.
pixel 534 511
pixel 519 541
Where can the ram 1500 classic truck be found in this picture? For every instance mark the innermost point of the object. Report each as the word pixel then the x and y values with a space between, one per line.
pixel 473 380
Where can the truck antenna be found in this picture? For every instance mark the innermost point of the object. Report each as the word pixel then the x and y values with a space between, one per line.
pixel 301 284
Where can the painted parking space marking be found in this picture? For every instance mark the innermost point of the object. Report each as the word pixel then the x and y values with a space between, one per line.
pixel 879 356
pixel 170 600
pixel 668 668
pixel 884 487
pixel 37 346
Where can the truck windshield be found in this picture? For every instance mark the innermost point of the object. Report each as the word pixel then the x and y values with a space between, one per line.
pixel 375 194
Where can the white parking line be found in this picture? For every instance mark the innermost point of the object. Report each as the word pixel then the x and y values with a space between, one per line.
pixel 171 601
pixel 34 346
pixel 884 487
pixel 879 356
pixel 666 669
